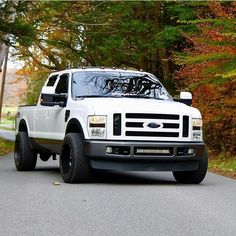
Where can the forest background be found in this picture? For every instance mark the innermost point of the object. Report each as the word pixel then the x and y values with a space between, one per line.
pixel 188 45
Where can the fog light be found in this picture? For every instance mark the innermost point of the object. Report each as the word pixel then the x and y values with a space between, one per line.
pixel 184 151
pixel 109 150
pixel 191 151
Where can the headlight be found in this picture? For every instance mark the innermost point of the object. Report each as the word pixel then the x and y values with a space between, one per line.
pixel 197 135
pixel 97 126
pixel 197 129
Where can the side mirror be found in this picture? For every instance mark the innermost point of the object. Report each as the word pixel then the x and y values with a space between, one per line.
pixel 53 100
pixel 185 97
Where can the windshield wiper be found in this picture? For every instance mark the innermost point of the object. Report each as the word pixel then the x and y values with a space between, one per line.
pixel 94 96
pixel 89 96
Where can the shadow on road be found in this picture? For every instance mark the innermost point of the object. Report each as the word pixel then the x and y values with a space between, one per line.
pixel 132 178
pixel 114 177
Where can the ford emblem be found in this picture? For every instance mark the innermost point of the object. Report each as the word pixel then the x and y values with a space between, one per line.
pixel 153 125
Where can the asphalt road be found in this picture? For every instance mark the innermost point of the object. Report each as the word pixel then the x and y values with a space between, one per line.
pixel 116 204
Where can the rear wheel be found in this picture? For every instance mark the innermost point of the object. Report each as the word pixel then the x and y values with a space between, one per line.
pixel 24 157
pixel 74 164
pixel 196 176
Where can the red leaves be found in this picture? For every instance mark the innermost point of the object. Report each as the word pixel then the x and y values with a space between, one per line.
pixel 210 73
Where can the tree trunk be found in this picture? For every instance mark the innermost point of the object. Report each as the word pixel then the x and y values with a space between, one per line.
pixel 164 69
pixel 165 65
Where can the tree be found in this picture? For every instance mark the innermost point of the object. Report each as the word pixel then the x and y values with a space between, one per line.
pixel 208 69
pixel 68 34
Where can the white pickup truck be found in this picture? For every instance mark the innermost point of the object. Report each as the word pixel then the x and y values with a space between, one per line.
pixel 111 119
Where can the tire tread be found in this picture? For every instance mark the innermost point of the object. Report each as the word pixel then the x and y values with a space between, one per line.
pixel 28 158
pixel 81 170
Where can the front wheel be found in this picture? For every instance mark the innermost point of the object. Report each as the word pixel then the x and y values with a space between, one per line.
pixel 196 176
pixel 24 157
pixel 74 164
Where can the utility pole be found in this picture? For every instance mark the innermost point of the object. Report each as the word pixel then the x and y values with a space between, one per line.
pixel 4 73
pixel 2 54
pixel 4 50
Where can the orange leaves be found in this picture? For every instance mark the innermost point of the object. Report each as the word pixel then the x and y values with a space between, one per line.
pixel 210 73
pixel 218 104
pixel 222 12
pixel 24 71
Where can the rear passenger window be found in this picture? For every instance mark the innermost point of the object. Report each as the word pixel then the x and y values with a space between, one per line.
pixel 52 80
pixel 62 86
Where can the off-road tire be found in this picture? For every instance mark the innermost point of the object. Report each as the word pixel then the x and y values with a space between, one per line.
pixel 196 176
pixel 74 164
pixel 24 157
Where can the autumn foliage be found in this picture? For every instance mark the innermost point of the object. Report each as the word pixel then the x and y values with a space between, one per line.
pixel 199 36
pixel 209 71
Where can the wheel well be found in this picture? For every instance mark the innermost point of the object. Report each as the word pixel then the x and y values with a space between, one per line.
pixel 23 126
pixel 74 126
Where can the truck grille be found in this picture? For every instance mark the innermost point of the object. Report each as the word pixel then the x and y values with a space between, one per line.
pixel 154 125
pixel 152 116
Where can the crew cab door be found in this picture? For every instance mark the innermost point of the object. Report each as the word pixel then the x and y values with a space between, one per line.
pixel 57 114
pixel 41 115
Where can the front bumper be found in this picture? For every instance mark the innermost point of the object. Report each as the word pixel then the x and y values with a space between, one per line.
pixel 129 159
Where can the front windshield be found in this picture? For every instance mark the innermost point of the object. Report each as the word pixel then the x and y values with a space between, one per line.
pixel 117 84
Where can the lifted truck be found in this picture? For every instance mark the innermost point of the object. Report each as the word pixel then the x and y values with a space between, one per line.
pixel 111 119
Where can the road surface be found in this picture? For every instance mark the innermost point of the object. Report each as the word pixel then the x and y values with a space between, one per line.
pixel 116 204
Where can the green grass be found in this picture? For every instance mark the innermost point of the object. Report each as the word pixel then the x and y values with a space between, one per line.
pixel 6 147
pixel 223 165
pixel 7 123
pixel 8 118
pixel 11 110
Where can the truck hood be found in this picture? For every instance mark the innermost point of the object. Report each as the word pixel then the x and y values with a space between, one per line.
pixel 101 106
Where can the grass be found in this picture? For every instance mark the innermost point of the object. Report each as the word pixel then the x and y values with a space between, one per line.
pixel 9 110
pixel 7 124
pixel 8 118
pixel 7 121
pixel 6 147
pixel 223 164
pixel 2 127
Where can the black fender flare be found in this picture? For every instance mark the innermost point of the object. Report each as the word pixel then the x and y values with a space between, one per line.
pixel 74 126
